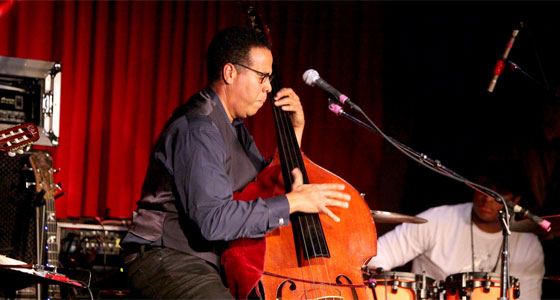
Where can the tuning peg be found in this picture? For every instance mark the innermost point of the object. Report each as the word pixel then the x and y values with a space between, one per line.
pixel 28 184
pixel 11 154
pixel 56 170
pixel 20 151
pixel 58 186
pixel 27 168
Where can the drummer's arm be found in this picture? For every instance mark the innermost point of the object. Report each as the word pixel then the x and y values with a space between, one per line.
pixel 531 271
pixel 401 245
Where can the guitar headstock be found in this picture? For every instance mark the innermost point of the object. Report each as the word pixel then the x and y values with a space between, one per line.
pixel 16 138
pixel 42 165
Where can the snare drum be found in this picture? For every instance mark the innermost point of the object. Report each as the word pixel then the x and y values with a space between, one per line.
pixel 478 286
pixel 405 286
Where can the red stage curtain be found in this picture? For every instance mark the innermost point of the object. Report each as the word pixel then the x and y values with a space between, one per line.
pixel 127 64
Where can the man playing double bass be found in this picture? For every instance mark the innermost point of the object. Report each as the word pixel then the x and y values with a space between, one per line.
pixel 203 155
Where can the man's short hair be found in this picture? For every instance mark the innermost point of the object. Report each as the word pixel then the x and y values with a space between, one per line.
pixel 232 45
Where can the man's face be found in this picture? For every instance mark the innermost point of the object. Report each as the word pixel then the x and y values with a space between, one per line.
pixel 248 94
pixel 486 208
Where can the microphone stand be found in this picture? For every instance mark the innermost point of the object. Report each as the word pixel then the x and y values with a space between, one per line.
pixel 420 157
pixel 436 166
pixel 515 68
pixel 504 287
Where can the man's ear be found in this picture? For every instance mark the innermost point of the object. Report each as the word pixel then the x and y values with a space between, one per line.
pixel 229 73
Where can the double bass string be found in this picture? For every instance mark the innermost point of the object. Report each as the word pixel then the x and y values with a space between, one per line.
pixel 288 156
pixel 293 159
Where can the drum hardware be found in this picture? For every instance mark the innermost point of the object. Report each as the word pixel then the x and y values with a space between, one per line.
pixel 477 286
pixel 387 285
pixel 425 289
pixel 487 283
pixel 394 218
pixel 395 284
pixel 406 286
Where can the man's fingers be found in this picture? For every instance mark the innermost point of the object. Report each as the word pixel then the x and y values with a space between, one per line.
pixel 287 101
pixel 330 214
pixel 283 101
pixel 298 177
pixel 285 92
pixel 336 203
pixel 331 186
pixel 336 195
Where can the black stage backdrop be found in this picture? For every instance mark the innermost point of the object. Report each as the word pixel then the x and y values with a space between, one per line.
pixel 438 59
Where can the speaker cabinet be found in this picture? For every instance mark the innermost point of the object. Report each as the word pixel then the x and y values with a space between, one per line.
pixel 18 221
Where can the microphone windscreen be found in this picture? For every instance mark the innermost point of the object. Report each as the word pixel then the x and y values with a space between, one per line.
pixel 310 77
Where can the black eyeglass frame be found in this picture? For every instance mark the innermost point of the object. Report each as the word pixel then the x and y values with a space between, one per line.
pixel 263 76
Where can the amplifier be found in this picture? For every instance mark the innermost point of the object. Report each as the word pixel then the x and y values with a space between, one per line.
pixel 94 248
pixel 18 221
pixel 90 245
pixel 30 92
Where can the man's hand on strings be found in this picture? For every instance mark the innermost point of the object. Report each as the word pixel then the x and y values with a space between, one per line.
pixel 289 101
pixel 315 198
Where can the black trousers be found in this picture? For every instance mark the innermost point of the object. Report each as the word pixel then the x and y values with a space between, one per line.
pixel 163 273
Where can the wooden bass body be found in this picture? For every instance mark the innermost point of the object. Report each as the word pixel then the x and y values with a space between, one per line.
pixel 293 268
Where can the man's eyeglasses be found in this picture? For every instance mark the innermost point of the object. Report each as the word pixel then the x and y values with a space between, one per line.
pixel 262 76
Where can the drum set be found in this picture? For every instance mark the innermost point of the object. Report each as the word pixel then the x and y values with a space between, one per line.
pixel 392 285
pixel 469 285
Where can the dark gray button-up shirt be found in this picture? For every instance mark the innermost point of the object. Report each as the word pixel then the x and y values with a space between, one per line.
pixel 199 161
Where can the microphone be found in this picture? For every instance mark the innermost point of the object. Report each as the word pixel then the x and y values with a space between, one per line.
pixel 501 62
pixel 544 224
pixel 312 78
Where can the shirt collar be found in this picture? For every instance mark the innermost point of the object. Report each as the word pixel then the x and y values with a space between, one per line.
pixel 216 99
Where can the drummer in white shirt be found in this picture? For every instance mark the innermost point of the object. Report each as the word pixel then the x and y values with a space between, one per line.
pixel 465 238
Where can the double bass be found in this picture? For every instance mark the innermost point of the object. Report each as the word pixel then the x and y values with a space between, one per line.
pixel 313 257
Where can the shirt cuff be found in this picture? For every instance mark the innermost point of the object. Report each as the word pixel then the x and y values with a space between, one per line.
pixel 278 211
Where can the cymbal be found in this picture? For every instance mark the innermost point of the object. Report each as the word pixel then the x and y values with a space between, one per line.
pixel 530 226
pixel 394 218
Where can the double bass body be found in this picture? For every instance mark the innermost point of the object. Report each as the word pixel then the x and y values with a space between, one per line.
pixel 291 271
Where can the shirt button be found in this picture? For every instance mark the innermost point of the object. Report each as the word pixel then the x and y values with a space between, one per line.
pixel 281 221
